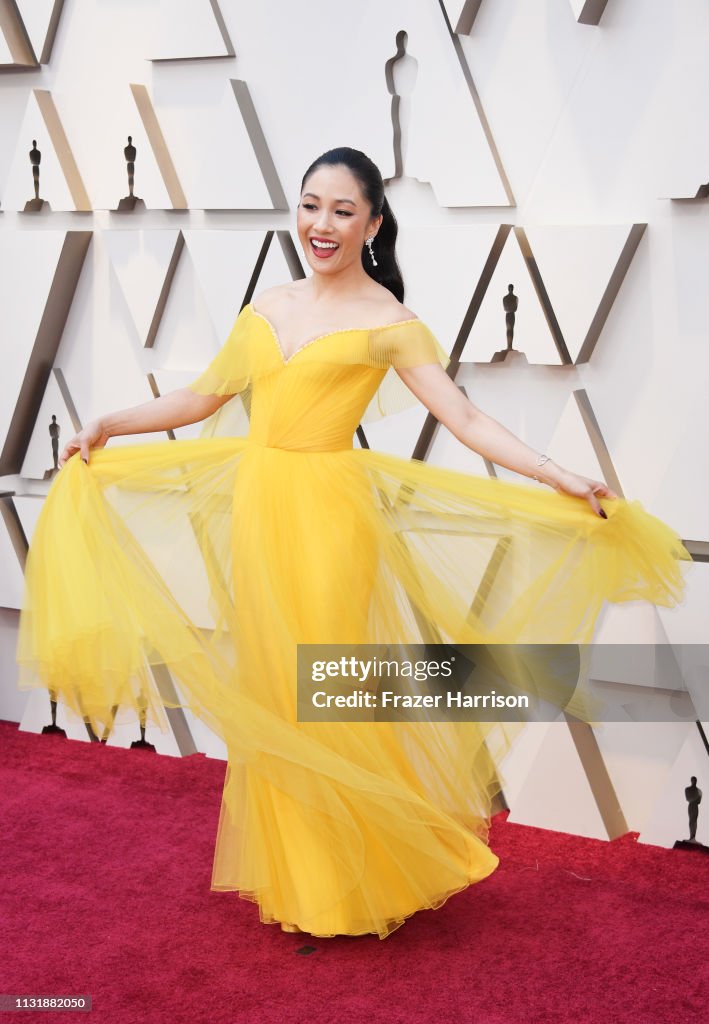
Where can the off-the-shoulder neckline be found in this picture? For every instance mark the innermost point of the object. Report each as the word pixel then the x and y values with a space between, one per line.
pixel 321 337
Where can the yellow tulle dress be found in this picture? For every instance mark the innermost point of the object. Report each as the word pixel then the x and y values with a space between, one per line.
pixel 216 556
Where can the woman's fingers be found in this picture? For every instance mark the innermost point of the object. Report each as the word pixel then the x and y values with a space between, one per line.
pixel 72 447
pixel 92 436
pixel 596 505
pixel 69 450
pixel 590 490
pixel 599 488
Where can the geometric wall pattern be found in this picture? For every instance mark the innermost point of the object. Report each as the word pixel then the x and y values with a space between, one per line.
pixel 60 176
pixel 588 12
pixel 103 311
pixel 27 31
pixel 199 32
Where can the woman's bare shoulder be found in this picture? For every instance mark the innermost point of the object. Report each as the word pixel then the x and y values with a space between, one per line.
pixel 396 312
pixel 384 308
pixel 271 299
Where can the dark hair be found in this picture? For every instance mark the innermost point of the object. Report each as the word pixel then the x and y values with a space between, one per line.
pixel 387 271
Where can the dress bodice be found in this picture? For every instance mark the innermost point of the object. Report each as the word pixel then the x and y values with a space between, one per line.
pixel 314 399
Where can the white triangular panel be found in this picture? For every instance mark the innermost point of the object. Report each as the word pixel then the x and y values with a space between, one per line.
pixel 141 260
pixel 11 577
pixel 688 622
pixel 275 269
pixel 447 145
pixel 187 337
pixel 576 265
pixel 669 820
pixel 455 9
pixel 557 794
pixel 639 750
pixel 515 766
pixel 588 12
pixel 29 260
pixel 687 627
pixel 39 459
pixel 36 17
pixel 104 159
pixel 5 53
pixel 693 660
pixel 103 369
pixel 53 186
pixel 631 622
pixel 187 29
pixel 224 263
pixel 209 143
pixel 626 673
pixel 570 446
pixel 532 335
pixel 680 493
pixel 28 508
pixel 465 251
pixel 204 739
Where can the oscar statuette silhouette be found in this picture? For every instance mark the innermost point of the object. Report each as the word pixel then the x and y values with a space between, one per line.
pixel 54 432
pixel 35 205
pixel 53 729
pixel 142 743
pixel 509 303
pixel 131 201
pixel 693 796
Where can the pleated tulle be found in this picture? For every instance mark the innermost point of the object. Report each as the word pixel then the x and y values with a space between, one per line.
pixel 216 557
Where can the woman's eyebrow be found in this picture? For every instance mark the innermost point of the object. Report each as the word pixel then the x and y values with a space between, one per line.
pixel 313 196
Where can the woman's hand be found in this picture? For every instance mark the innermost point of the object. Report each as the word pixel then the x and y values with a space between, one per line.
pixel 481 433
pixel 577 486
pixel 94 435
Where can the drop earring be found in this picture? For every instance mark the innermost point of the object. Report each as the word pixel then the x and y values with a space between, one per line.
pixel 368 243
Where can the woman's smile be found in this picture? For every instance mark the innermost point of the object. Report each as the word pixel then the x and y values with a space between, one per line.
pixel 323 248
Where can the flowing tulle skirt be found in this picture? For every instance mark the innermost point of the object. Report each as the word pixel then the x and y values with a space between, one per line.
pixel 217 557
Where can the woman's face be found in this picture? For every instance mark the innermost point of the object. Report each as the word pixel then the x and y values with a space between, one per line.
pixel 334 219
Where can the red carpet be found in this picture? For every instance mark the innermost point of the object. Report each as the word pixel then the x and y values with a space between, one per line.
pixel 106 859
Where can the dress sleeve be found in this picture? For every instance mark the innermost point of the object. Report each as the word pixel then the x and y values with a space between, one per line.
pixel 410 343
pixel 228 373
pixel 397 347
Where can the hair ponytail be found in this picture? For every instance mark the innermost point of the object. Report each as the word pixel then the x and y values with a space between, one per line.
pixel 387 271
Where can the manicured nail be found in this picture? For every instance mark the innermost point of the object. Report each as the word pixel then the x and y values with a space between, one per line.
pixel 84 460
pixel 602 513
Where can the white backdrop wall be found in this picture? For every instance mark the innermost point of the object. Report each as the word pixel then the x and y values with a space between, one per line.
pixel 534 148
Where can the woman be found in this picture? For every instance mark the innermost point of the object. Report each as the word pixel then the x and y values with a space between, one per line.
pixel 218 556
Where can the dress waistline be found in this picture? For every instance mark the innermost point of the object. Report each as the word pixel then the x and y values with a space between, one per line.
pixel 297 451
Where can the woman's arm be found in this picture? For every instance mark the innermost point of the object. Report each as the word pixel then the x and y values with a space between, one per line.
pixel 175 409
pixel 481 433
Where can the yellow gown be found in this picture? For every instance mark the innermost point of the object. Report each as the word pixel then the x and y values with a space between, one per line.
pixel 217 556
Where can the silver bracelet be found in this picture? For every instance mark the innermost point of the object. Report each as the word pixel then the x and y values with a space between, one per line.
pixel 541 459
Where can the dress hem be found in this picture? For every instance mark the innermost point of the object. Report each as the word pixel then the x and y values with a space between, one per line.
pixel 396 922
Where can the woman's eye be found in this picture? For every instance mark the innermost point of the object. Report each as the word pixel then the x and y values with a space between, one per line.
pixel 311 206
